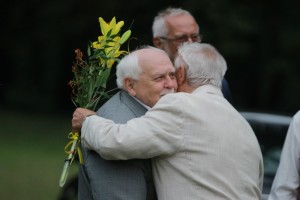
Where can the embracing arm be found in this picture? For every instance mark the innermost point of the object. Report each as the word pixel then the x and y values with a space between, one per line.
pixel 158 133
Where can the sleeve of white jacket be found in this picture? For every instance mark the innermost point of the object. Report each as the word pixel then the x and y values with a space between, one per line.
pixel 286 183
pixel 158 133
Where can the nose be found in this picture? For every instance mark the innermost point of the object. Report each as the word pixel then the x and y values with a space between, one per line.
pixel 170 83
pixel 189 39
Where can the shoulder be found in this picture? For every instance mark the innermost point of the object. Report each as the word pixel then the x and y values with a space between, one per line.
pixel 121 107
pixel 294 128
pixel 115 99
pixel 170 104
pixel 173 98
pixel 296 120
pixel 297 117
pixel 121 98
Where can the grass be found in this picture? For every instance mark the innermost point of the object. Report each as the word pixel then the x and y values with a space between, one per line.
pixel 32 155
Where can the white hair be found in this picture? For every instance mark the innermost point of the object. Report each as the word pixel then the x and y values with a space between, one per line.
pixel 203 64
pixel 130 67
pixel 159 28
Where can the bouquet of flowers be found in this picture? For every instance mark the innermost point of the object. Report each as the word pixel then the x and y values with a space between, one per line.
pixel 90 78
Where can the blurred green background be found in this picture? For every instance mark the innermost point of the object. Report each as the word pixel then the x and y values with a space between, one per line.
pixel 32 155
pixel 258 38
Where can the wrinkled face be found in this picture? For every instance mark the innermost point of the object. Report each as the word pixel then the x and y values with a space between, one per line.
pixel 182 28
pixel 156 79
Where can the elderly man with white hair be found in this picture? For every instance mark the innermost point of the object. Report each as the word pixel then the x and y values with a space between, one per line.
pixel 143 77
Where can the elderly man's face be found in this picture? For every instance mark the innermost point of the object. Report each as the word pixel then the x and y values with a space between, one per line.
pixel 182 28
pixel 157 77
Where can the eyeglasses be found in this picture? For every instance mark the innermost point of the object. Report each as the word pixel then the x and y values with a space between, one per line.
pixel 184 38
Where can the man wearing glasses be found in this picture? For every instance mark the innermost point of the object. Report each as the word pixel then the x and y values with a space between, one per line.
pixel 174 26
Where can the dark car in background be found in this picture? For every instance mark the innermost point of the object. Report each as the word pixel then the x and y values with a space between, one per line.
pixel 270 130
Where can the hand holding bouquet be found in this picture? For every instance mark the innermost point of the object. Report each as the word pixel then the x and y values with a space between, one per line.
pixel 90 78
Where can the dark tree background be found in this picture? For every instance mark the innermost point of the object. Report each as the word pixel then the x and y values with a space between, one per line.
pixel 258 38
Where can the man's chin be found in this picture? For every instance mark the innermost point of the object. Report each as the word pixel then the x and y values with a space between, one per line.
pixel 167 92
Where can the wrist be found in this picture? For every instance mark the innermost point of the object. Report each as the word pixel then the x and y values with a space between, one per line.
pixel 87 117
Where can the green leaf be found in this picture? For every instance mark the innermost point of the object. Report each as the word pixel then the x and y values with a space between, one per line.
pixel 89 50
pixel 109 33
pixel 125 36
pixel 106 75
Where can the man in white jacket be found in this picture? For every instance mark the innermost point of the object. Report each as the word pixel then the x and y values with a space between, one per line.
pixel 201 147
pixel 286 183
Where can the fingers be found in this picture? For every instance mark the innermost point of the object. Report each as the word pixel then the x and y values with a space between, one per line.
pixel 77 120
pixel 78 117
pixel 75 126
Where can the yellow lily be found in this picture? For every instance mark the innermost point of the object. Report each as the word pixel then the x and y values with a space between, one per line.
pixel 102 40
pixel 112 44
pixel 112 25
pixel 97 45
pixel 112 53
pixel 115 29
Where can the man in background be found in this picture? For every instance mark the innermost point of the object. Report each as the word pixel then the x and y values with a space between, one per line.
pixel 143 77
pixel 286 184
pixel 174 26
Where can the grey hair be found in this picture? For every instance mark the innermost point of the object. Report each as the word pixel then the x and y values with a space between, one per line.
pixel 130 67
pixel 159 28
pixel 203 64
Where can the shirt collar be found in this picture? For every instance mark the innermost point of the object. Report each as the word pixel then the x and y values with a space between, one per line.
pixel 208 89
pixel 144 105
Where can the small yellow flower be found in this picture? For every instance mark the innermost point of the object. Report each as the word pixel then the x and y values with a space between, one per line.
pixel 110 39
pixel 96 45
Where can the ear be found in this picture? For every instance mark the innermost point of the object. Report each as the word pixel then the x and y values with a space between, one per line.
pixel 157 42
pixel 180 75
pixel 129 86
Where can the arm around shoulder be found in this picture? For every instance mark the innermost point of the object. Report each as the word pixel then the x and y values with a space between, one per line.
pixel 158 133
